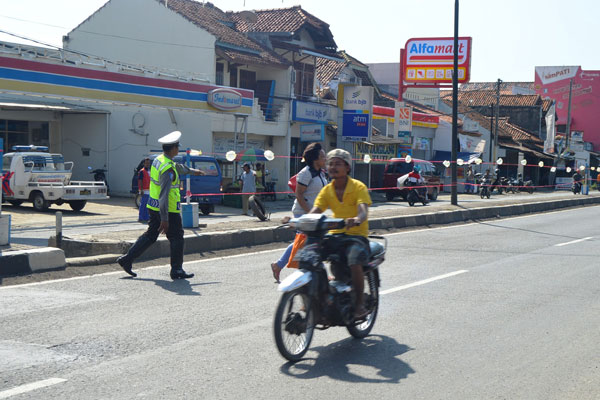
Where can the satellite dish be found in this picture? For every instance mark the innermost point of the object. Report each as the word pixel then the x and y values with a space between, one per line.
pixel 248 16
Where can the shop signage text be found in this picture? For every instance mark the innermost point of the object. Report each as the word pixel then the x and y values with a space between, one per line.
pixel 430 60
pixel 224 99
pixel 312 133
pixel 358 109
pixel 379 153
pixel 313 112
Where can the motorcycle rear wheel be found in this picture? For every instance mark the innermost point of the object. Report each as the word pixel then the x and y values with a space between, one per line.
pixel 294 324
pixel 362 329
pixel 482 193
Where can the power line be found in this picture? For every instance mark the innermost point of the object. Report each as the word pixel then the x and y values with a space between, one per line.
pixel 33 22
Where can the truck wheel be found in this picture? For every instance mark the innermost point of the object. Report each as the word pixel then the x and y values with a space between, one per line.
pixel 16 203
pixel 257 207
pixel 39 203
pixel 77 205
pixel 205 208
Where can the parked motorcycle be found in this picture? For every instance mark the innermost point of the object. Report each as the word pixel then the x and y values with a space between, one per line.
pixel 100 176
pixel 310 300
pixel 500 184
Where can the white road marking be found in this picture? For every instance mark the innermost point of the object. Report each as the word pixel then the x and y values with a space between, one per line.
pixel 423 282
pixel 30 387
pixel 573 241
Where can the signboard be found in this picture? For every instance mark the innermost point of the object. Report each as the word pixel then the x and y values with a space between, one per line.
pixel 576 136
pixel 425 120
pixel 431 60
pixel 356 125
pixel 404 138
pixel 358 108
pixel 553 83
pixel 404 150
pixel 403 119
pixel 312 133
pixel 223 145
pixel 380 153
pixel 225 99
pixel 313 112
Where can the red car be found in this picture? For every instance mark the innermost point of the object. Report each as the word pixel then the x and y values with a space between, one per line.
pixel 397 167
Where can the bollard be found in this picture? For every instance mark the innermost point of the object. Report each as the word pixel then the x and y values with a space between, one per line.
pixel 59 229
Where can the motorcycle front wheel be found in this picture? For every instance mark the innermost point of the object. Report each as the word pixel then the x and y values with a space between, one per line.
pixel 371 296
pixel 482 193
pixel 294 324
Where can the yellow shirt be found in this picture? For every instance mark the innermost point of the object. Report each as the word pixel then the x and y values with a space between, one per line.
pixel 355 193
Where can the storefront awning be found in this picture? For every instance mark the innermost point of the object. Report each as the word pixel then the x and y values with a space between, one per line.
pixel 66 108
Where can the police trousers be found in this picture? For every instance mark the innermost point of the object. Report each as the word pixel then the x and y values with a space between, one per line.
pixel 174 235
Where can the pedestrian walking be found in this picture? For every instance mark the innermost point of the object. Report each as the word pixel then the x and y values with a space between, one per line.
pixel 144 190
pixel 309 182
pixel 248 182
pixel 470 180
pixel 164 208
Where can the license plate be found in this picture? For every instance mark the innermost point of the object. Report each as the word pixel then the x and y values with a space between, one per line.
pixel 85 192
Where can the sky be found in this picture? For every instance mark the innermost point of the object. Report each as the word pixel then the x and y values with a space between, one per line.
pixel 510 37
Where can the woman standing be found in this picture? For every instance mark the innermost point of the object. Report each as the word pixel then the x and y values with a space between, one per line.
pixel 309 182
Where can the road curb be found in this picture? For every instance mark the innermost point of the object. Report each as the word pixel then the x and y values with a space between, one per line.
pixel 251 237
pixel 80 253
pixel 32 260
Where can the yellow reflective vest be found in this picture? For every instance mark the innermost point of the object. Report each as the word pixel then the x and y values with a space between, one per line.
pixel 161 165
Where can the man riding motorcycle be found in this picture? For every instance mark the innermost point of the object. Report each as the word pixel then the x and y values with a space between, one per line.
pixel 349 199
pixel 415 179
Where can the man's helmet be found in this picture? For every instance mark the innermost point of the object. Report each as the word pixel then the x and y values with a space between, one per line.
pixel 417 168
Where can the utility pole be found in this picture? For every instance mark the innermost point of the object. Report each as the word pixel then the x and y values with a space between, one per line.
pixel 454 193
pixel 497 117
pixel 491 132
pixel 568 129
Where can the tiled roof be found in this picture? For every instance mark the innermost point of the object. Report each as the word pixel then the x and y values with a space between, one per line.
pixel 220 25
pixel 504 86
pixel 484 98
pixel 277 20
pixel 546 104
pixel 328 70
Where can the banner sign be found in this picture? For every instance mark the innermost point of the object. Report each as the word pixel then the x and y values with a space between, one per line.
pixel 550 130
pixel 312 133
pixel 358 108
pixel 380 153
pixel 313 112
pixel 431 60
pixel 404 138
pixel 404 150
pixel 403 119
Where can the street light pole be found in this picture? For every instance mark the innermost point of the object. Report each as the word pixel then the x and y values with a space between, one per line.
pixel 453 193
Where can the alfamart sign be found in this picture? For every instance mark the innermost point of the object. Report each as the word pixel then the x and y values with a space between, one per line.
pixel 431 60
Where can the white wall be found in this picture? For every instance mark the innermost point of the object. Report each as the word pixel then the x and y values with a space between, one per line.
pixel 84 131
pixel 143 32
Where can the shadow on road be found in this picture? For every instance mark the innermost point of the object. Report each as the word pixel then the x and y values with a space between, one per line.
pixel 370 360
pixel 181 287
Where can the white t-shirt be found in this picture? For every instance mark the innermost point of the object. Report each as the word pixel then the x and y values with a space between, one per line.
pixel 314 182
pixel 248 182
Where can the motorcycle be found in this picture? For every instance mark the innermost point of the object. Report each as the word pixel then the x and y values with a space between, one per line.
pixel 99 176
pixel 484 187
pixel 311 300
pixel 500 184
pixel 415 195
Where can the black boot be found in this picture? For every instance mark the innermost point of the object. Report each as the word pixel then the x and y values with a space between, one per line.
pixel 124 262
pixel 180 274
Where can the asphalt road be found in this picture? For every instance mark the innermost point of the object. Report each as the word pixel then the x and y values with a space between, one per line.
pixel 507 309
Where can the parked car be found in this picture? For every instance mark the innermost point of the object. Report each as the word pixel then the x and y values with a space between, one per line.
pixel 397 167
pixel 205 189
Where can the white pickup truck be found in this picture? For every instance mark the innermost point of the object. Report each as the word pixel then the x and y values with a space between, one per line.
pixel 44 179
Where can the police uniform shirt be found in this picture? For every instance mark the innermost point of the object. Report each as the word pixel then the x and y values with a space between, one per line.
pixel 166 180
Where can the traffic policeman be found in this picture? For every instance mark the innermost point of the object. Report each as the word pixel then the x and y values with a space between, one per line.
pixel 164 207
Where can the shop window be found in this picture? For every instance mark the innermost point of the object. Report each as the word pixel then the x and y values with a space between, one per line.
pixel 219 77
pixel 247 79
pixel 233 76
